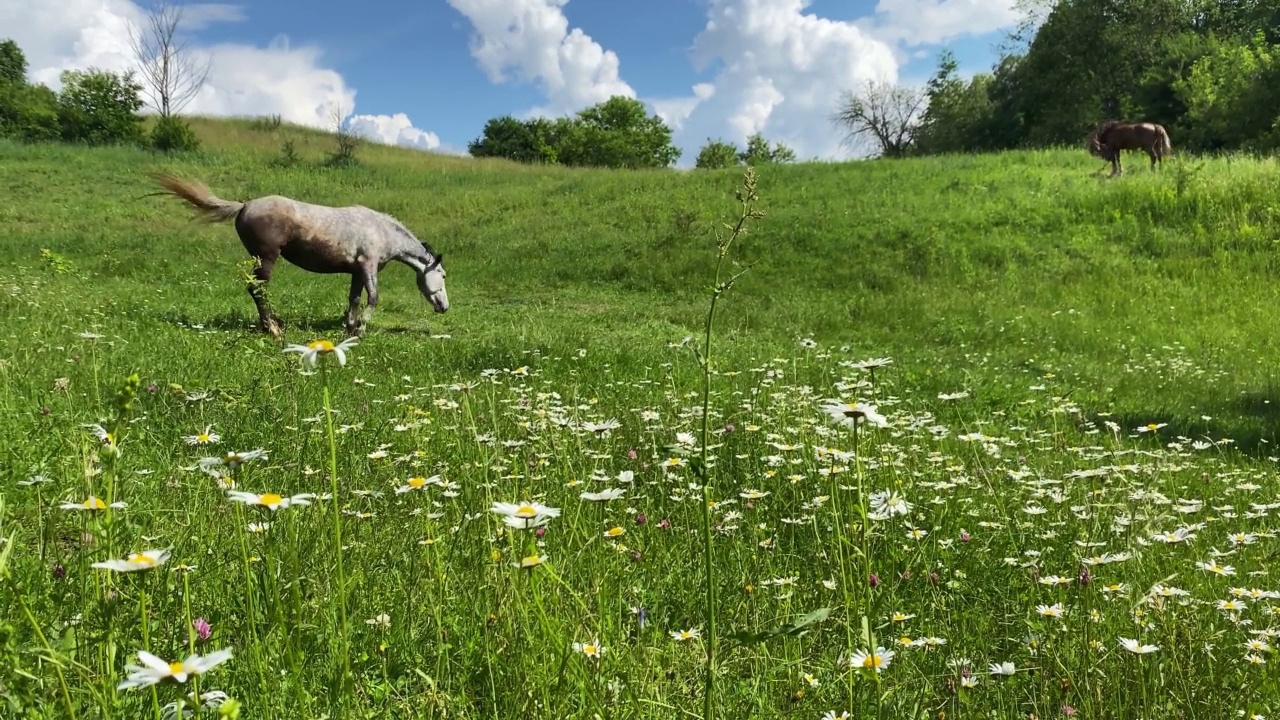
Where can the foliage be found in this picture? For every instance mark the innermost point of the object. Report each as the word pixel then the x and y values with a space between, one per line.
pixel 98 107
pixel 173 134
pixel 13 63
pixel 28 112
pixel 718 154
pixel 616 133
pixel 958 115
pixel 1230 95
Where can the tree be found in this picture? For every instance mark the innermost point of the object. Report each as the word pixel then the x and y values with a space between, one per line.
pixel 99 107
pixel 882 114
pixel 959 114
pixel 13 63
pixel 616 133
pixel 171 74
pixel 716 154
pixel 758 152
pixel 1229 95
pixel 509 138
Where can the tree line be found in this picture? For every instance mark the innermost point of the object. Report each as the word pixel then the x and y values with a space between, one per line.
pixel 1205 69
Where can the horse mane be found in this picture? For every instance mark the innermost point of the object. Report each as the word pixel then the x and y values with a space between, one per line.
pixel 400 228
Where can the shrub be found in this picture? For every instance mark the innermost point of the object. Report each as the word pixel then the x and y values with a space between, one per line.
pixel 173 134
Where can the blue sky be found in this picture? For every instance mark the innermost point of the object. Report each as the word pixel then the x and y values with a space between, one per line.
pixel 776 66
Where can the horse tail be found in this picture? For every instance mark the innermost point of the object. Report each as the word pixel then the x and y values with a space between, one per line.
pixel 1166 147
pixel 209 207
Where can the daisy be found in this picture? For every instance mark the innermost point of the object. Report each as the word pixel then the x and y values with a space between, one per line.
pixel 852 414
pixel 592 649
pixel 1055 610
pixel 604 495
pixel 145 560
pixel 689 634
pixel 879 660
pixel 418 483
pixel 1135 647
pixel 154 670
pixel 92 503
pixel 208 437
pixel 887 503
pixel 270 501
pixel 314 349
pixel 232 460
pixel 1005 668
pixel 530 562
pixel 524 515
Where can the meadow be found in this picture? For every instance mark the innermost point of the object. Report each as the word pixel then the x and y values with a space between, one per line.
pixel 1057 501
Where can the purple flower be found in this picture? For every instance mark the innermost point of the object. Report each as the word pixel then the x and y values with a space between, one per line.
pixel 540 531
pixel 631 454
pixel 202 628
pixel 665 524
pixel 728 427
pixel 641 519
pixel 874 580
pixel 59 572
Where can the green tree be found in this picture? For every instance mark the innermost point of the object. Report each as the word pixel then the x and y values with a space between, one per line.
pixel 758 152
pixel 959 113
pixel 507 137
pixel 717 154
pixel 13 63
pixel 616 133
pixel 28 112
pixel 98 107
pixel 1230 96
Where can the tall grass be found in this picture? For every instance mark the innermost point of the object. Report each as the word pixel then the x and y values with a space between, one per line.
pixel 1079 410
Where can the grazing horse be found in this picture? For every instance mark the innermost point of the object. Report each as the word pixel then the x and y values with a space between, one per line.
pixel 1112 137
pixel 320 239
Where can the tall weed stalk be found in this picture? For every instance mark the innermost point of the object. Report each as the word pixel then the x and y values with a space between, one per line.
pixel 747 198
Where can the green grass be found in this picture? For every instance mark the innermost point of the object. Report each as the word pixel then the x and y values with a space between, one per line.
pixel 1073 309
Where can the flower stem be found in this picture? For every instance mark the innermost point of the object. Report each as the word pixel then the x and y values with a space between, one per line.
pixel 337 537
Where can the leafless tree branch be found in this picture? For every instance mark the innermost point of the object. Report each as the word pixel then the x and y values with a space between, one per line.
pixel 884 115
pixel 170 72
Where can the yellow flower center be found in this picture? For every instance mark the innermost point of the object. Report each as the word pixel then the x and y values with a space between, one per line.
pixel 94 504
pixel 417 482
pixel 614 531
pixel 589 649
pixel 175 668
pixel 270 499
pixel 202 437
pixel 140 559
pixel 531 561
pixel 872 661
pixel 321 345
pixel 526 511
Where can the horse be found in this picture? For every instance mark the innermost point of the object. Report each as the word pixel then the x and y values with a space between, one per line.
pixel 320 239
pixel 1112 137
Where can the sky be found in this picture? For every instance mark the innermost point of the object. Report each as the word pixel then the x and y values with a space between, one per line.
pixel 428 74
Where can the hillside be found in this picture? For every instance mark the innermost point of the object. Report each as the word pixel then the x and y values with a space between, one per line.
pixel 1146 295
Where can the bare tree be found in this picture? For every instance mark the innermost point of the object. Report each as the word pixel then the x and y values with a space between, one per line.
pixel 171 74
pixel 883 114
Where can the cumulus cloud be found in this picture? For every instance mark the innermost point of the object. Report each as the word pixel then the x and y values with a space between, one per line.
pixel 279 78
pixel 921 22
pixel 781 71
pixel 532 37
pixel 393 130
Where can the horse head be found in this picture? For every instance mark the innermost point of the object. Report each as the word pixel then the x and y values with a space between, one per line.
pixel 431 283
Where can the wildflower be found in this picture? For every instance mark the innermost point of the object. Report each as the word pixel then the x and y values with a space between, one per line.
pixel 852 414
pixel 887 503
pixel 879 660
pixel 1134 647
pixel 530 562
pixel 382 620
pixel 232 460
pixel 613 532
pixel 592 649
pixel 202 627
pixel 832 715
pixel 145 560
pixel 418 483
pixel 270 501
pixel 604 495
pixel 524 515
pixel 92 503
pixel 314 349
pixel 689 634
pixel 208 437
pixel 1005 668
pixel 154 670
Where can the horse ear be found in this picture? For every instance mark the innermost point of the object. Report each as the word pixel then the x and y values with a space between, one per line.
pixel 439 259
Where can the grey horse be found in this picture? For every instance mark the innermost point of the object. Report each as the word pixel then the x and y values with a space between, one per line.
pixel 320 239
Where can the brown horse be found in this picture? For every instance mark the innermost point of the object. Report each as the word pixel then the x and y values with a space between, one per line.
pixel 1112 137
pixel 320 239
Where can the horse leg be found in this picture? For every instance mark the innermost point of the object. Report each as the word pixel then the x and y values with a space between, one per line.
pixel 353 303
pixel 257 290
pixel 369 278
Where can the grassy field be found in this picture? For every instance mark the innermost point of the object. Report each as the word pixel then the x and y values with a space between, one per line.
pixel 1080 420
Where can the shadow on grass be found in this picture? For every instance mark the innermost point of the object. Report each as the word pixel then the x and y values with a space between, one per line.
pixel 1251 420
pixel 242 322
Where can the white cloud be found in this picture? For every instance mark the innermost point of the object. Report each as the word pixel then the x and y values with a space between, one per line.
pixel 533 38
pixel 393 130
pixel 245 79
pixel 781 73
pixel 921 22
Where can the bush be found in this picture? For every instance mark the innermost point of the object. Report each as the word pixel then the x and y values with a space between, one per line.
pixel 716 154
pixel 173 134
pixel 97 107
pixel 28 112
